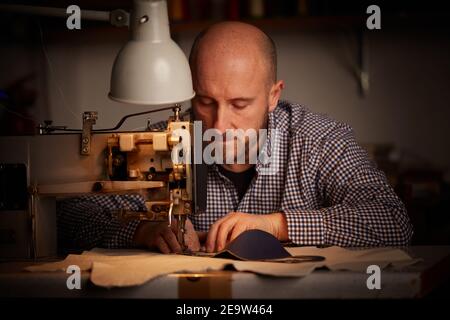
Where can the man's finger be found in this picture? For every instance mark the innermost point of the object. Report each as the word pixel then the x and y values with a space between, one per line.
pixel 223 232
pixel 162 245
pixel 189 224
pixel 211 238
pixel 237 230
pixel 191 237
pixel 202 236
pixel 171 241
pixel 174 225
pixel 191 240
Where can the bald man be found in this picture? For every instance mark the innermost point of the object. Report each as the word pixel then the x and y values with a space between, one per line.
pixel 324 189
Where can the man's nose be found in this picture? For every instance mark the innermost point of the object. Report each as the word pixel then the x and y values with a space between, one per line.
pixel 222 119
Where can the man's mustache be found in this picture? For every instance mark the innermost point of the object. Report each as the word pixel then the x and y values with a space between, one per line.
pixel 230 139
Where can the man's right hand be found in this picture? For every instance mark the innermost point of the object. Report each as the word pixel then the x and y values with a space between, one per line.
pixel 161 237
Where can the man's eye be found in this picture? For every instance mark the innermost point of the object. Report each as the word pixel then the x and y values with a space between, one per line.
pixel 240 105
pixel 206 102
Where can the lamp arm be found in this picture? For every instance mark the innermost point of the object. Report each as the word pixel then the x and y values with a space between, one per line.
pixel 117 17
pixel 47 127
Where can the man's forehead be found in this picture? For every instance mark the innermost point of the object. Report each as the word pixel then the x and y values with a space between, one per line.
pixel 230 71
pixel 236 61
pixel 226 87
pixel 229 78
pixel 229 45
pixel 224 63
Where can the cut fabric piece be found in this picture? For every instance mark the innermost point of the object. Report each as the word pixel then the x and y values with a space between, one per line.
pixel 254 245
pixel 258 245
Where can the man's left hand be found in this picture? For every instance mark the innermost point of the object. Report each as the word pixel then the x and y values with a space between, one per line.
pixel 233 224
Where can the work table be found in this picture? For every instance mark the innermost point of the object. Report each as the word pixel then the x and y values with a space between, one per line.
pixel 414 281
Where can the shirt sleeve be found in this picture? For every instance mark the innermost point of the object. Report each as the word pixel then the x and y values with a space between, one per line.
pixel 360 208
pixel 88 221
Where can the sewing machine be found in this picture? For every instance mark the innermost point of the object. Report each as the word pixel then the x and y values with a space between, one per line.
pixel 150 70
pixel 36 171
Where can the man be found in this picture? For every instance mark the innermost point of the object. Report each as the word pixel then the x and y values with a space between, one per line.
pixel 324 191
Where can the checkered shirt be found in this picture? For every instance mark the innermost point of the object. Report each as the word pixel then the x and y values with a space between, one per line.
pixel 324 183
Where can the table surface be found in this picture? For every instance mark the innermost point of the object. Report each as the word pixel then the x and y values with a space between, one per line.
pixel 413 281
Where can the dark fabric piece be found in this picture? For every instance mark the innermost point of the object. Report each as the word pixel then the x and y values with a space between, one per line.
pixel 254 245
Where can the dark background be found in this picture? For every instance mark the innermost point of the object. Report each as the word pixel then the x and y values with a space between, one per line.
pixel 49 72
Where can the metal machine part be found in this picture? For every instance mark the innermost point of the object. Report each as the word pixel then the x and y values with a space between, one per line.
pixel 48 167
pixel 149 156
pixel 89 119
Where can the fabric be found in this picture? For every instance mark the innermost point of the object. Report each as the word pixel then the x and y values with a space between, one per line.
pixel 324 183
pixel 254 245
pixel 121 268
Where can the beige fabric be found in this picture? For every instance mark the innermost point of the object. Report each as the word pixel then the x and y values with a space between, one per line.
pixel 119 268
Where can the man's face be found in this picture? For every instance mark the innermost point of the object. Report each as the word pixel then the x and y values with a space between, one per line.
pixel 232 92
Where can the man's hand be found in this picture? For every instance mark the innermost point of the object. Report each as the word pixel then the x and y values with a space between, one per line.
pixel 233 224
pixel 161 237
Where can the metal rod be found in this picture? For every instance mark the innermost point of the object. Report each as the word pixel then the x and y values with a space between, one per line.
pixel 181 231
pixel 46 129
pixel 32 223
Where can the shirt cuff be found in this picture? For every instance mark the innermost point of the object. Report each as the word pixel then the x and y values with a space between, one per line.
pixel 122 236
pixel 305 227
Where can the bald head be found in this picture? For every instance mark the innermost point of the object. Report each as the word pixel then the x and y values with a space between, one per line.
pixel 228 40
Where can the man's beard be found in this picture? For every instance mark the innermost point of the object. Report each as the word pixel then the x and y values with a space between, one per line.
pixel 239 150
pixel 242 148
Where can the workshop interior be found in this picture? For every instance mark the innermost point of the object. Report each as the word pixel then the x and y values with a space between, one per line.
pixel 81 107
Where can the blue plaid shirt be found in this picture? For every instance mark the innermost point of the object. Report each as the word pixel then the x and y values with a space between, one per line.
pixel 324 182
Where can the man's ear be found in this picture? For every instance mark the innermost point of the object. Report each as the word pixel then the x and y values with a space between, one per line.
pixel 274 95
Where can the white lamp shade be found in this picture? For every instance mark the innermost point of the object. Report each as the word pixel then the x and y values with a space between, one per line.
pixel 151 69
pixel 151 74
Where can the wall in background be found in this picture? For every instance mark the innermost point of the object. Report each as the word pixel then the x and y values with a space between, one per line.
pixel 407 105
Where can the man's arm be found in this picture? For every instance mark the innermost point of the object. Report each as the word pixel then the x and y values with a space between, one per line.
pixel 86 222
pixel 361 208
